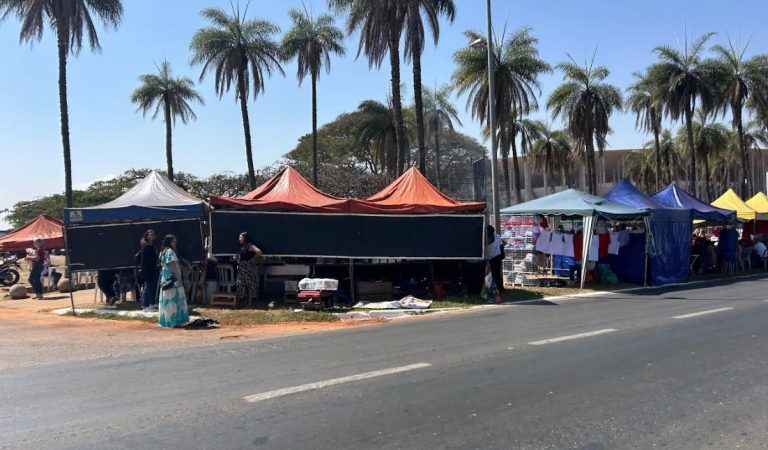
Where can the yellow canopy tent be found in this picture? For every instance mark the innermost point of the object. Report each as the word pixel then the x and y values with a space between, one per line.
pixel 731 200
pixel 759 202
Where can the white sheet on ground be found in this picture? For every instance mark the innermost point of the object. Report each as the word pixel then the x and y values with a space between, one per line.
pixel 407 302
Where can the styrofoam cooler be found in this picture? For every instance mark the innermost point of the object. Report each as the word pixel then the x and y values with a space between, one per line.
pixel 318 284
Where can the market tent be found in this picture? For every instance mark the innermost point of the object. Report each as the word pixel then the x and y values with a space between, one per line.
pixel 673 196
pixel 731 200
pixel 286 191
pixel 44 227
pixel 758 202
pixel 412 193
pixel 670 233
pixel 154 197
pixel 573 202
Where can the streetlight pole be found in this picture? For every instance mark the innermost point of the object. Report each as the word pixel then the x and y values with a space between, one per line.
pixel 492 122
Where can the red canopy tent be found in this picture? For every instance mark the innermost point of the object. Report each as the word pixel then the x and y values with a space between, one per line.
pixel 412 193
pixel 44 227
pixel 286 191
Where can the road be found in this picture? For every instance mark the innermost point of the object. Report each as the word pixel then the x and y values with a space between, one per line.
pixel 683 368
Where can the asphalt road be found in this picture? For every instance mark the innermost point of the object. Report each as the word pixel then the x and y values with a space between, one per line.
pixel 641 370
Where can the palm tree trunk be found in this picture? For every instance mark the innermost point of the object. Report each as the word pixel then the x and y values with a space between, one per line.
pixel 246 127
pixel 707 184
pixel 413 18
pixel 168 139
pixel 64 111
pixel 516 168
pixel 397 104
pixel 692 151
pixel 504 148
pixel 437 154
pixel 563 179
pixel 591 180
pixel 314 130
pixel 746 178
pixel 659 180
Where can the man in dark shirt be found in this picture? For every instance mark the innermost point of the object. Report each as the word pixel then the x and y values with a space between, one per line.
pixel 148 270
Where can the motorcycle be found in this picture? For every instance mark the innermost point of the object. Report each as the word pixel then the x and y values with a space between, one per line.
pixel 9 270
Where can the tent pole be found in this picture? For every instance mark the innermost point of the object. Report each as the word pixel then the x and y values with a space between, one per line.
pixel 352 280
pixel 645 266
pixel 69 270
pixel 589 228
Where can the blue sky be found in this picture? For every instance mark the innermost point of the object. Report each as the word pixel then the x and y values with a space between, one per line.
pixel 108 136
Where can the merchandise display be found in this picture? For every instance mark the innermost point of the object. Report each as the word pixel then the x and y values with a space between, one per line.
pixel 520 234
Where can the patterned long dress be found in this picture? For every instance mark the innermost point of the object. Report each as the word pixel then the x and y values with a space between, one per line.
pixel 173 301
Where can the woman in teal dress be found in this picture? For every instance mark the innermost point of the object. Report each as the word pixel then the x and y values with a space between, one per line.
pixel 173 301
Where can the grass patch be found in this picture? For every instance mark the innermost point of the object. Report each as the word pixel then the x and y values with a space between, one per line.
pixel 256 317
pixel 93 315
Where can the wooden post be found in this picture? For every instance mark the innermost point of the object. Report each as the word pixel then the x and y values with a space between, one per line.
pixel 352 280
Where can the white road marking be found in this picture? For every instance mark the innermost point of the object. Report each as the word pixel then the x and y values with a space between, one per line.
pixel 322 384
pixel 574 336
pixel 702 313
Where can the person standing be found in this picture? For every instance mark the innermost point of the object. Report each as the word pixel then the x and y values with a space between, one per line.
pixel 173 303
pixel 148 271
pixel 494 254
pixel 37 260
pixel 247 268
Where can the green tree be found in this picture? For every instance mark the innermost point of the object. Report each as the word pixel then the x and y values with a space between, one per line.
pixel 241 52
pixel 670 153
pixel 550 153
pixel 173 95
pixel 379 26
pixel 378 131
pixel 415 36
pixel 646 101
pixel 685 81
pixel 517 70
pixel 440 114
pixel 69 19
pixel 585 103
pixel 738 81
pixel 312 41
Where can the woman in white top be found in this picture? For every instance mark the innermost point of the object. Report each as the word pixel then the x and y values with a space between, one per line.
pixel 494 254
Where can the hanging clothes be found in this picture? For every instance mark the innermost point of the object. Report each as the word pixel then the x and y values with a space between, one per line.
pixel 568 245
pixel 543 243
pixel 594 249
pixel 605 241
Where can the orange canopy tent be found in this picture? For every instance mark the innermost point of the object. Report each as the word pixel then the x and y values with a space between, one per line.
pixel 44 227
pixel 286 191
pixel 412 193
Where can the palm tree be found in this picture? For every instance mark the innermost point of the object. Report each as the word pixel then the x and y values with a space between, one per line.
pixel 238 51
pixel 646 102
pixel 173 95
pixel 517 69
pixel 685 80
pixel 670 154
pixel 739 81
pixel 69 19
pixel 639 169
pixel 550 153
pixel 440 113
pixel 710 140
pixel 378 129
pixel 415 35
pixel 311 41
pixel 379 23
pixel 585 103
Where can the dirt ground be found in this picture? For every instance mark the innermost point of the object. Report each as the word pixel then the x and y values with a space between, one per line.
pixel 30 335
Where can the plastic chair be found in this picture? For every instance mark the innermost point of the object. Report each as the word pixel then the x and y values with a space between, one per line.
pixel 227 294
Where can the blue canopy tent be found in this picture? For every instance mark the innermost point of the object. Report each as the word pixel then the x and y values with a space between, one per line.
pixel 668 248
pixel 673 196
pixel 574 203
pixel 153 198
pixel 107 236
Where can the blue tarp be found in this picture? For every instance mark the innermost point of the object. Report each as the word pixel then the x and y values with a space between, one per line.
pixel 670 228
pixel 629 264
pixel 153 198
pixel 673 196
